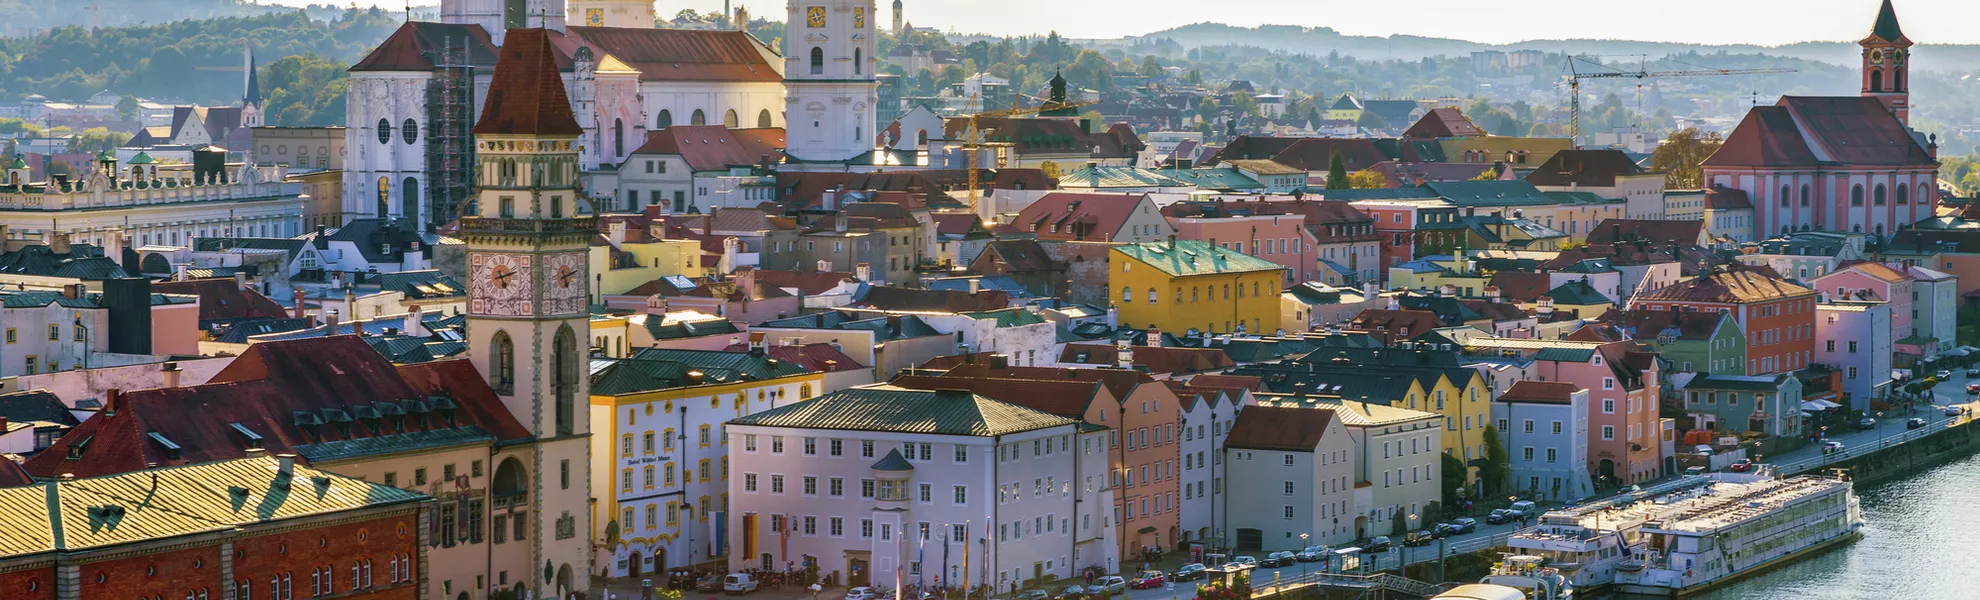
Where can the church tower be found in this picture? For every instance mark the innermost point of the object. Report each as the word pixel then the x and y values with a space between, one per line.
pixel 1887 64
pixel 499 16
pixel 636 14
pixel 829 86
pixel 251 115
pixel 899 33
pixel 527 320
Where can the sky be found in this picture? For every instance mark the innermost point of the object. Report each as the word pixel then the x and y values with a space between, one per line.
pixel 1765 22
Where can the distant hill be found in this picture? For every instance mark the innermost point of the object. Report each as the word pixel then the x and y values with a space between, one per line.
pixel 1320 41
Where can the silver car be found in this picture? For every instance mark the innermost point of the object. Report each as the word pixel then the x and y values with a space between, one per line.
pixel 1111 584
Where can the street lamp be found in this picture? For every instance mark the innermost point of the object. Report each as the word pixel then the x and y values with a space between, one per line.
pixel 688 526
pixel 1302 548
pixel 1403 569
pixel 1881 442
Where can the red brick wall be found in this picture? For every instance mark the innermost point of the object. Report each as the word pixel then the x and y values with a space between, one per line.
pixel 16 585
pixel 296 553
pixel 170 574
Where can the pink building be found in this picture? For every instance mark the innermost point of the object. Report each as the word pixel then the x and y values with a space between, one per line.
pixel 1873 281
pixel 1329 242
pixel 1623 445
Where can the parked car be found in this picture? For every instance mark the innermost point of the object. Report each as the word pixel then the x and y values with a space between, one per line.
pixel 1311 554
pixel 1113 584
pixel 1188 572
pixel 739 583
pixel 1500 515
pixel 1418 538
pixel 1149 580
pixel 1277 559
pixel 866 593
pixel 1440 530
pixel 710 583
pixel 1973 372
pixel 1866 423
pixel 1914 423
pixel 1072 592
pixel 1381 543
pixel 1832 447
pixel 1464 525
pixel 1526 508
pixel 1740 466
pixel 1245 561
pixel 1033 595
pixel 1943 375
pixel 1950 411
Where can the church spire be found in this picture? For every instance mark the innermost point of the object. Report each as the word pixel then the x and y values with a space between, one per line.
pixel 1887 28
pixel 252 96
pixel 526 95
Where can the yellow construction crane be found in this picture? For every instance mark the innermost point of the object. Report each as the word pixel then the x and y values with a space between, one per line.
pixel 973 136
pixel 1575 76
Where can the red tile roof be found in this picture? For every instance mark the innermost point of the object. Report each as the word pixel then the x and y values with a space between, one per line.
pixel 685 54
pixel 1542 392
pixel 955 223
pixel 1443 123
pixel 1156 359
pixel 263 390
pixel 1249 382
pixel 1097 217
pixel 714 147
pixel 1727 287
pixel 1059 397
pixel 221 299
pixel 526 95
pixel 1592 167
pixel 1519 286
pixel 1850 130
pixel 1119 382
pixel 12 475
pixel 1395 325
pixel 413 46
pixel 1250 147
pixel 1317 154
pixel 1279 428
pixel 817 357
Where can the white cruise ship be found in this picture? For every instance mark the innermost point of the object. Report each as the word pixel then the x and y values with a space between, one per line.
pixel 1734 526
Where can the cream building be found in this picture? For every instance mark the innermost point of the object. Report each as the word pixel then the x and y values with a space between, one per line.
pixel 154 204
pixel 1397 464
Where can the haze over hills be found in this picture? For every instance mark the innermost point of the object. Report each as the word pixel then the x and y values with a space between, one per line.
pixel 1323 40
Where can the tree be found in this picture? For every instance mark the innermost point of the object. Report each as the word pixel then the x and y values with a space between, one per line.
pixel 127 108
pixel 1368 120
pixel 1367 180
pixel 1494 473
pixel 1337 178
pixel 1682 157
pixel 1244 104
pixel 98 139
pixel 1095 122
pixel 1453 480
pixel 1150 68
pixel 1492 174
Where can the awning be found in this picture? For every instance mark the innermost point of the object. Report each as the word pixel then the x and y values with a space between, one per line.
pixel 1146 530
pixel 1815 405
pixel 1806 414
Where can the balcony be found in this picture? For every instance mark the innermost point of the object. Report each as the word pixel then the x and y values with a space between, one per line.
pixel 499 225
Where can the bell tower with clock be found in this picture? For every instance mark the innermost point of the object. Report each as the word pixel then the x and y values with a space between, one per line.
pixel 829 84
pixel 528 323
pixel 1887 64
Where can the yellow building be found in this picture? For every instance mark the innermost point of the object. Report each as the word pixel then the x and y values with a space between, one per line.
pixel 1515 151
pixel 623 264
pixel 1576 213
pixel 1347 108
pixel 1189 284
pixel 1421 380
pixel 659 452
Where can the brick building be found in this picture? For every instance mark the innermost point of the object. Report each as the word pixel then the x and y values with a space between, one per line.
pixel 1778 316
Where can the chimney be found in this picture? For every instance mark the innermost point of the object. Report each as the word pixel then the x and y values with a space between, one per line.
pixel 416 322
pixel 240 280
pixel 894 323
pixel 58 242
pixel 171 372
pixel 179 272
pixel 830 201
pixel 616 232
pixel 285 470
pixel 862 271
pixel 71 291
pixel 999 361
pixel 1447 290
pixel 330 321
pixel 1394 304
pixel 1154 337
pixel 975 285
pixel 112 399
pixel 1492 293
pixel 1123 354
pixel 1172 241
pixel 745 280
pixel 299 296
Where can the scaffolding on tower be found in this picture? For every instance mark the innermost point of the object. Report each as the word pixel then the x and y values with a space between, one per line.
pixel 449 138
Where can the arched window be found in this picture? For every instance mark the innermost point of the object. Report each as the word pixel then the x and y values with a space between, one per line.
pixel 564 379
pixel 1879 195
pixel 410 131
pixel 618 137
pixel 1897 81
pixel 1876 81
pixel 729 119
pixel 817 61
pixel 1192 294
pixel 699 118
pixel 1178 295
pixel 1804 195
pixel 665 120
pixel 858 59
pixel 384 197
pixel 1784 195
pixel 502 369
pixel 1227 291
pixel 1856 195
pixel 384 131
pixel 511 480
pixel 1127 295
pixel 1903 194
pixel 1152 298
pixel 763 118
pixel 409 201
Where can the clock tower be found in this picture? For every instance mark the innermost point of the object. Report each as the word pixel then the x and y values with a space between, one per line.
pixel 527 322
pixel 1887 64
pixel 829 87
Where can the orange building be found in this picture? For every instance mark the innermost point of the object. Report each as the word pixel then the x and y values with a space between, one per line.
pixel 1777 317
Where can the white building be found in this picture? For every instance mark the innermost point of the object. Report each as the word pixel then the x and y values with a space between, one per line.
pixel 1545 428
pixel 829 83
pixel 886 486
pixel 1935 299
pixel 1295 467
pixel 150 203
pixel 1397 461
pixel 1855 339
pixel 1208 414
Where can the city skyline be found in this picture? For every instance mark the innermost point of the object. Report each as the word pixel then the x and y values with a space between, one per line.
pixel 1928 21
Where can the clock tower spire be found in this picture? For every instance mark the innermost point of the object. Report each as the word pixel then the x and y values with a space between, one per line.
pixel 527 322
pixel 1887 64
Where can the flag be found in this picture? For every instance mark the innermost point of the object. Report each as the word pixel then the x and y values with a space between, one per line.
pixel 920 550
pixel 965 565
pixel 943 577
pixel 900 550
pixel 784 541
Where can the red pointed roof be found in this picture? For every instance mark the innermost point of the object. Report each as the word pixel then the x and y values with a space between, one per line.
pixel 409 48
pixel 1800 130
pixel 527 93
pixel 1443 123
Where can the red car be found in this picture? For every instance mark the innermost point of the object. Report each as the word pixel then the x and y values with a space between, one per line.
pixel 1973 388
pixel 1148 580
pixel 1740 466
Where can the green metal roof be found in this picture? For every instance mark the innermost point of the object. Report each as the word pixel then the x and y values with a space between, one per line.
pixel 1220 178
pixel 1490 193
pixel 142 158
pixel 19 163
pixel 880 408
pixel 893 462
pixel 1192 257
pixel 1578 293
pixel 1009 317
pixel 391 444
pixel 1579 198
pixel 1094 176
pixel 1565 354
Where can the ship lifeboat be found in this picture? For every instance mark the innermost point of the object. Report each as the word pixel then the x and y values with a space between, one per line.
pixel 1630 566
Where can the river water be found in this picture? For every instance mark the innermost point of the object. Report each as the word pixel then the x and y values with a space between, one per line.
pixel 1921 541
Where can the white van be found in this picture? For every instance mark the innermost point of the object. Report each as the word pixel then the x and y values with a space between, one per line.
pixel 739 583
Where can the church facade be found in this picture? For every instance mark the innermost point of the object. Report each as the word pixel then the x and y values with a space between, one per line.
pixel 1837 163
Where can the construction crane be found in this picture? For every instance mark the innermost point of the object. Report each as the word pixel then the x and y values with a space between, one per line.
pixel 1575 76
pixel 973 136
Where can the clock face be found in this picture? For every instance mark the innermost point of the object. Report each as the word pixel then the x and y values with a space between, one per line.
pixel 565 292
pixel 594 17
pixel 1876 56
pixel 1899 55
pixel 814 16
pixel 500 284
pixel 859 17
